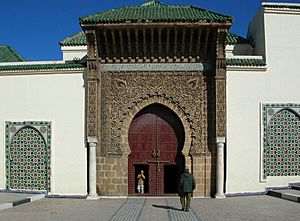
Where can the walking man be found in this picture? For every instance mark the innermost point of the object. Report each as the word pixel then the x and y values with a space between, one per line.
pixel 187 185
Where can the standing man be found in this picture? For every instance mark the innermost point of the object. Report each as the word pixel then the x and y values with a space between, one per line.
pixel 140 187
pixel 187 185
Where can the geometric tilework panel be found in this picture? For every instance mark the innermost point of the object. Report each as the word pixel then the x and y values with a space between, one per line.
pixel 28 156
pixel 282 142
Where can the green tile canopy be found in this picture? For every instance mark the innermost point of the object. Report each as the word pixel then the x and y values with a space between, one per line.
pixel 156 12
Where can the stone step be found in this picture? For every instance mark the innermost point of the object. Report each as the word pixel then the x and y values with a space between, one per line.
pixel 288 194
pixel 295 186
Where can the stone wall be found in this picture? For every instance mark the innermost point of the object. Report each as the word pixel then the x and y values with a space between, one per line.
pixel 112 178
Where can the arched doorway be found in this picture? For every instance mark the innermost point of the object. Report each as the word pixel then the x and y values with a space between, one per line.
pixel 156 139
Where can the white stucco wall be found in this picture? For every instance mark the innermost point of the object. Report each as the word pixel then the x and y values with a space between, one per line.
pixel 73 52
pixel 246 90
pixel 58 98
pixel 256 33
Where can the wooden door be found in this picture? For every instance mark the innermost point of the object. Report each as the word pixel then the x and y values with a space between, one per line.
pixel 156 139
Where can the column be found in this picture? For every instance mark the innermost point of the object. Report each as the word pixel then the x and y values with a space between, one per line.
pixel 220 168
pixel 92 141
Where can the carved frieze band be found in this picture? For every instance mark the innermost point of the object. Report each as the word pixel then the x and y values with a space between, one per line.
pixel 221 85
pixel 92 108
pixel 220 108
pixel 92 84
pixel 121 91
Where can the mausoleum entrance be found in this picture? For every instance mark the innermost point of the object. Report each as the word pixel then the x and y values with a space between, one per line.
pixel 156 138
pixel 148 77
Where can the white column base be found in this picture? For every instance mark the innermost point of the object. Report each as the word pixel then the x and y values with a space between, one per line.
pixel 93 197
pixel 220 196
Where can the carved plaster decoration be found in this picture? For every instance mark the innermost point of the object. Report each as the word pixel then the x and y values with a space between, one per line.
pixel 92 85
pixel 163 100
pixel 120 84
pixel 91 40
pixel 125 93
pixel 193 83
pixel 92 108
pixel 221 85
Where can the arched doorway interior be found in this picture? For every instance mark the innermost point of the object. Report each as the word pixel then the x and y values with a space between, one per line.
pixel 156 138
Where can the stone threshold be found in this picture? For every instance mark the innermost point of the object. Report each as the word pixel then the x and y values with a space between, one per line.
pixel 21 201
pixel 292 194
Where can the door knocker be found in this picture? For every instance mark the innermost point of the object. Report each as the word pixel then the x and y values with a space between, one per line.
pixel 155 153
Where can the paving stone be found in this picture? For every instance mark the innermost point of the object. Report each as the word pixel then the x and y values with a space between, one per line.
pixel 130 210
pixel 154 210
pixel 250 208
pixel 175 213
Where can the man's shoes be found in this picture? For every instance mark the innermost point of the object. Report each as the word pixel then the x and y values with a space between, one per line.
pixel 182 209
pixel 187 210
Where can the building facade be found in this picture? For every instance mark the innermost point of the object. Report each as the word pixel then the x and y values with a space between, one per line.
pixel 156 92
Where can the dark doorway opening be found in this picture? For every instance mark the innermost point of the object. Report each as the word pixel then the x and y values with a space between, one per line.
pixel 137 169
pixel 170 179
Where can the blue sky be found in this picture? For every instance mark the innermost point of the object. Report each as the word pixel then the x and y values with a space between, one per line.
pixel 34 27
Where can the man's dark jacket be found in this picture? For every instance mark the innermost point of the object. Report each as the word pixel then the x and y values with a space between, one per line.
pixel 187 183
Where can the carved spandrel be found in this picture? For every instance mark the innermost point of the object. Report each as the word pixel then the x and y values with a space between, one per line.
pixel 120 90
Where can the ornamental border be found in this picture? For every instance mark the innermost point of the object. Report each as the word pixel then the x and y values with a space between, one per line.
pixel 43 128
pixel 268 110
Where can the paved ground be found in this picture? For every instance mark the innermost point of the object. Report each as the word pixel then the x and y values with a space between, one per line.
pixel 262 208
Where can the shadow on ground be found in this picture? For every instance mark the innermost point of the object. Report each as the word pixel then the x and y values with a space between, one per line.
pixel 165 207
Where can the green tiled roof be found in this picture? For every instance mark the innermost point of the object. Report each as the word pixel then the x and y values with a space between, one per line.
pixel 155 11
pixel 8 54
pixel 78 39
pixel 249 62
pixel 232 39
pixel 33 67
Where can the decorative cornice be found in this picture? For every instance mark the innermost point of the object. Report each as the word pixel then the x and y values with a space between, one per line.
pixel 156 67
pixel 281 8
pixel 79 39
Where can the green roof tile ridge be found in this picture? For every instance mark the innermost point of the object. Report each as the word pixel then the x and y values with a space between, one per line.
pixel 233 38
pixel 9 54
pixel 19 57
pixel 246 62
pixel 155 11
pixel 78 39
pixel 213 12
pixel 153 3
pixel 24 67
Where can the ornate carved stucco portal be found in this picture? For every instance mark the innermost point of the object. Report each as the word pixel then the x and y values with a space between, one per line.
pixel 122 91
pixel 197 96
